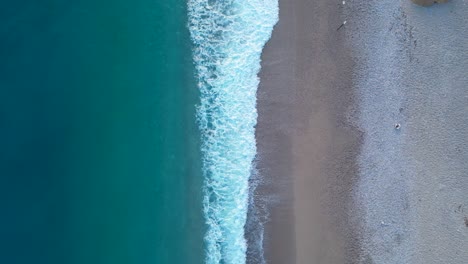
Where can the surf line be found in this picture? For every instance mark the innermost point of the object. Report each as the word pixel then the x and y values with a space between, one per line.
pixel 228 38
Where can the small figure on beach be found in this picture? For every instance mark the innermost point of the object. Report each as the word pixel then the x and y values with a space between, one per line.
pixel 342 25
pixel 428 2
pixel 397 126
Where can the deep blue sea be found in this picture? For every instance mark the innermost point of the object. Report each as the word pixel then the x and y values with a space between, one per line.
pixel 127 129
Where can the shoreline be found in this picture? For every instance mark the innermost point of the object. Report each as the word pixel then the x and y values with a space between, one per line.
pixel 307 149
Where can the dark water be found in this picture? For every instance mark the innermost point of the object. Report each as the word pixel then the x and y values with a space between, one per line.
pixel 99 151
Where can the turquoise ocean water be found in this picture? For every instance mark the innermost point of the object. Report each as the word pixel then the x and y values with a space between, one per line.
pixel 99 149
pixel 127 129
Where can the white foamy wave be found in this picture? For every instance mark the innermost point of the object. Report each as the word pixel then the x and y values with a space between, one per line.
pixel 228 38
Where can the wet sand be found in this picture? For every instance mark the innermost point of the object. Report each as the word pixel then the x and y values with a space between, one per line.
pixel 306 145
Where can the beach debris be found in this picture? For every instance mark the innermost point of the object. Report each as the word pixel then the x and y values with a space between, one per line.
pixel 397 126
pixel 466 221
pixel 342 25
pixel 428 2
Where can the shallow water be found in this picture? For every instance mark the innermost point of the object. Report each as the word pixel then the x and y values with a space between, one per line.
pixel 228 38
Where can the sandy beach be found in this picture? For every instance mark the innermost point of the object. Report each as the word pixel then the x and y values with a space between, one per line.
pixel 342 184
pixel 307 147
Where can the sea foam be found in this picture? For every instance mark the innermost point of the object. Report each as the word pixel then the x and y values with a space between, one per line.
pixel 228 38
